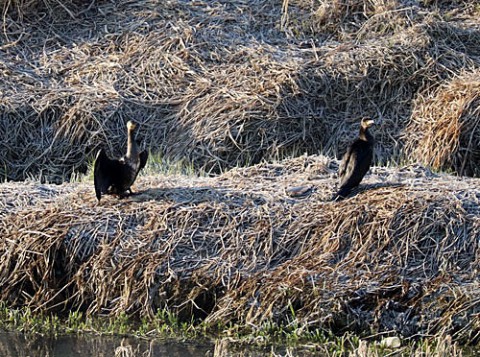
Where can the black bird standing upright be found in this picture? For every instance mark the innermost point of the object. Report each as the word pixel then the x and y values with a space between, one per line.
pixel 116 176
pixel 356 161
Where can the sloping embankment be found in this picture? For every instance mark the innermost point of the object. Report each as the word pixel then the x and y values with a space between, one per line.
pixel 402 255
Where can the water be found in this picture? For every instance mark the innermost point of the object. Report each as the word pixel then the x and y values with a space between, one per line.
pixel 20 345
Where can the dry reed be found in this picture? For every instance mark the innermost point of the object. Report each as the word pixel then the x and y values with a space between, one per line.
pixel 445 128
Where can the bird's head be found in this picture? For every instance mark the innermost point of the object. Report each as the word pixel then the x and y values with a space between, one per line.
pixel 367 122
pixel 131 125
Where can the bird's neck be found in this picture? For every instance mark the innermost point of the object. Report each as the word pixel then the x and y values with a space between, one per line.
pixel 132 147
pixel 365 134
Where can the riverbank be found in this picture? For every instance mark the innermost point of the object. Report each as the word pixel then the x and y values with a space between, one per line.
pixel 23 332
pixel 252 247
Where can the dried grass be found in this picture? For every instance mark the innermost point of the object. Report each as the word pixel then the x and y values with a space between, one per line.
pixel 344 20
pixel 217 84
pixel 445 128
pixel 51 10
pixel 400 256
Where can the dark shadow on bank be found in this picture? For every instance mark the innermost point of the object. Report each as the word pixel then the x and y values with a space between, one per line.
pixel 368 188
pixel 197 195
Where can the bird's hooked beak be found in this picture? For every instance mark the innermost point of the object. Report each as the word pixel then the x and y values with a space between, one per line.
pixel 367 123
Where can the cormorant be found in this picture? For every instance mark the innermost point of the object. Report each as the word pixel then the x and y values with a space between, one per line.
pixel 356 161
pixel 115 176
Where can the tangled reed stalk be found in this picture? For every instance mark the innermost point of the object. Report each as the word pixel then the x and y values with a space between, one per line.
pixel 223 84
pixel 399 256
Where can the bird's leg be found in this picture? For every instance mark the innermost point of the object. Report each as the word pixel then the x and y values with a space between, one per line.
pixel 133 193
pixel 124 194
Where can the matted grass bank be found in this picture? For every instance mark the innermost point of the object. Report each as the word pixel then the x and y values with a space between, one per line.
pixel 400 257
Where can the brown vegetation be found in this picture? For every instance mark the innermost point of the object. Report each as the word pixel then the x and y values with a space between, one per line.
pixel 223 84
pixel 226 84
pixel 445 128
pixel 400 256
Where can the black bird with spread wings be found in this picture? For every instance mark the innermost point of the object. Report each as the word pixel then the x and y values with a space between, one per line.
pixel 116 176
pixel 356 161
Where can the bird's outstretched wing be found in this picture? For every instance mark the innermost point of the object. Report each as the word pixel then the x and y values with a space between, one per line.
pixel 102 173
pixel 143 159
pixel 345 165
